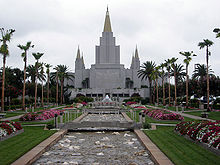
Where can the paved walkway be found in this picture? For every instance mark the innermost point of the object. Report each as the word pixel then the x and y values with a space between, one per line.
pixel 184 114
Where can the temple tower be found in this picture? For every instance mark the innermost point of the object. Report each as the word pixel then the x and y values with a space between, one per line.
pixel 107 52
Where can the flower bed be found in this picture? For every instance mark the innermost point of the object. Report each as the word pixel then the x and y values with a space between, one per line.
pixel 162 115
pixel 139 107
pixel 202 131
pixel 41 115
pixel 9 127
pixel 131 102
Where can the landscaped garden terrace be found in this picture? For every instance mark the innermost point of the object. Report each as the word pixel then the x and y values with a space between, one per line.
pixel 172 141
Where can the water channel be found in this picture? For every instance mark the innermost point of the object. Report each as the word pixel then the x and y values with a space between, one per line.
pixel 97 148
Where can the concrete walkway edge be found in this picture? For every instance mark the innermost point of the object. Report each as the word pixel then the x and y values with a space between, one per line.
pixel 31 156
pixel 80 117
pixel 156 154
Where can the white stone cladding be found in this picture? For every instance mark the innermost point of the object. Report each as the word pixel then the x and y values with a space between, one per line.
pixel 107 75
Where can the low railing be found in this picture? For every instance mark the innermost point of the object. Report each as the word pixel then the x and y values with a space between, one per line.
pixel 66 117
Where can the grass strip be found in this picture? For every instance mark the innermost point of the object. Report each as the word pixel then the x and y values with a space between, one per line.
pixel 180 150
pixel 11 114
pixel 13 148
pixel 211 115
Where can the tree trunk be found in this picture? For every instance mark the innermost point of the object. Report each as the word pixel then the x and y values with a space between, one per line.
pixel 157 92
pixel 24 83
pixel 169 85
pixel 42 94
pixel 48 87
pixel 163 91
pixel 3 84
pixel 175 85
pixel 61 93
pixel 207 70
pixel 150 92
pixel 57 88
pixel 35 96
pixel 154 93
pixel 187 82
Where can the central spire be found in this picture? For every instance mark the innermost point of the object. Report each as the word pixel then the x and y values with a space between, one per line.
pixel 107 26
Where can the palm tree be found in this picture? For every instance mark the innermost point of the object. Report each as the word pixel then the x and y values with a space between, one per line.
pixel 188 58
pixel 48 80
pixel 145 73
pixel 200 72
pixel 174 67
pixel 31 72
pixel 180 74
pixel 217 31
pixel 6 37
pixel 55 76
pixel 63 74
pixel 206 43
pixel 167 65
pixel 162 75
pixel 37 56
pixel 42 79
pixel 25 48
pixel 155 75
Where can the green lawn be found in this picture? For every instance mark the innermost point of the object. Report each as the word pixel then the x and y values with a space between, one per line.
pixel 180 150
pixel 211 115
pixel 15 147
pixel 11 114
pixel 172 108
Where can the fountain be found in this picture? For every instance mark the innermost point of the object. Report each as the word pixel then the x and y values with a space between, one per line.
pixel 106 99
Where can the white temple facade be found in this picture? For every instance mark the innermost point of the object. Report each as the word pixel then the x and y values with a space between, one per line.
pixel 107 76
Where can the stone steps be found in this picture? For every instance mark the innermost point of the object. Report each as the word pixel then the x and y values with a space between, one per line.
pixel 100 125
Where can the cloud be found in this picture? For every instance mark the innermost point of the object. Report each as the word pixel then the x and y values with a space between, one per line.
pixel 160 29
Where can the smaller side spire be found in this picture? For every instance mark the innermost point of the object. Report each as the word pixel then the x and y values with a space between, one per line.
pixel 132 61
pixel 82 58
pixel 78 53
pixel 136 52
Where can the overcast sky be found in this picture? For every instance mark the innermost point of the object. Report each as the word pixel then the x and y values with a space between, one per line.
pixel 160 28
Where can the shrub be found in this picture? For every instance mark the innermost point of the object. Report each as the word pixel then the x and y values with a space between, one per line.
pixel 146 125
pixel 194 103
pixel 81 99
pixel 80 95
pixel 135 95
pixel 145 101
pixel 15 101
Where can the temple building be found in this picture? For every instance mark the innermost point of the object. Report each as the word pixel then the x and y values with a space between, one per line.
pixel 107 76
